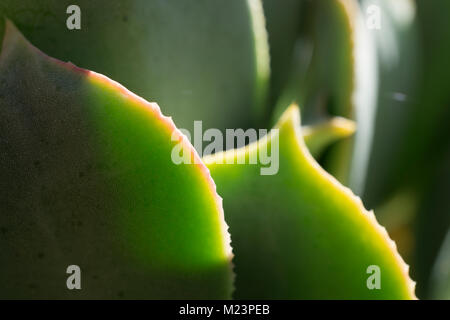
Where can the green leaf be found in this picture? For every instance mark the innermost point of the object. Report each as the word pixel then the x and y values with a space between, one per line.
pixel 330 81
pixel 87 179
pixel 441 272
pixel 432 223
pixel 318 137
pixel 202 59
pixel 426 155
pixel 323 78
pixel 299 234
pixel 396 45
pixel 412 104
pixel 283 23
pixel 408 147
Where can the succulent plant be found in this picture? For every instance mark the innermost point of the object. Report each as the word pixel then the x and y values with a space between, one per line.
pixel 88 176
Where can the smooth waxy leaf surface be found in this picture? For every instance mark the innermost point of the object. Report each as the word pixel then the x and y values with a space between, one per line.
pixel 203 59
pixel 431 225
pixel 299 233
pixel 282 23
pixel 87 179
pixel 318 137
pixel 426 154
pixel 323 77
pixel 330 81
pixel 398 71
pixel 441 272
pixel 409 145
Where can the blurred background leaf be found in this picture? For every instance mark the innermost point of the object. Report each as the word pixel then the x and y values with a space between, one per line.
pixel 200 60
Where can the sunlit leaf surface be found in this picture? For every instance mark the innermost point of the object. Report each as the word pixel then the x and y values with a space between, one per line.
pixel 87 179
pixel 299 234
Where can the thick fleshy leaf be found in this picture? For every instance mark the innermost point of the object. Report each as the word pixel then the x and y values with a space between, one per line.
pixel 201 60
pixel 409 145
pixel 87 179
pixel 441 272
pixel 428 136
pixel 330 81
pixel 318 137
pixel 398 70
pixel 431 224
pixel 412 105
pixel 299 233
pixel 323 76
pixel 283 23
pixel 429 132
pixel 386 62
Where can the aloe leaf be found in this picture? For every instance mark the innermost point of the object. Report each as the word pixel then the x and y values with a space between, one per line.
pixel 428 132
pixel 330 81
pixel 88 180
pixel 299 234
pixel 376 175
pixel 428 136
pixel 322 77
pixel 431 224
pixel 411 119
pixel 318 137
pixel 441 272
pixel 412 107
pixel 294 90
pixel 283 23
pixel 326 74
pixel 205 59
